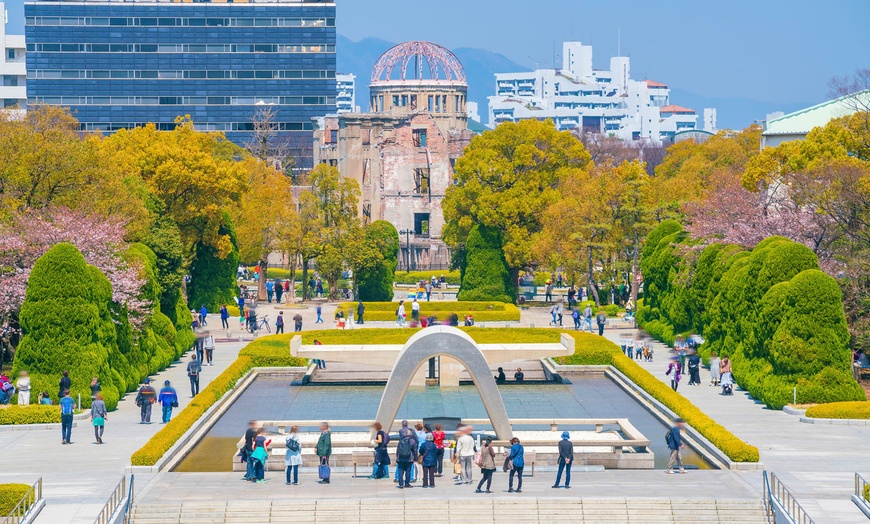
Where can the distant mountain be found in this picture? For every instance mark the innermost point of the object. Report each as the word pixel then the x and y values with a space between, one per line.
pixel 732 113
pixel 480 67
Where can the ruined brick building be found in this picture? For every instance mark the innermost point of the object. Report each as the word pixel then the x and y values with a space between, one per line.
pixel 402 152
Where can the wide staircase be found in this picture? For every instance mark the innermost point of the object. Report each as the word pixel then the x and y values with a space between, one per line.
pixel 484 509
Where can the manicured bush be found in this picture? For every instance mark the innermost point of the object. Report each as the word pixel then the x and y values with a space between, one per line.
pixel 593 350
pixel 375 282
pixel 10 496
pixel 33 414
pixel 840 410
pixel 212 274
pixel 272 351
pixel 486 275
pixel 414 277
pixel 66 325
pixel 771 310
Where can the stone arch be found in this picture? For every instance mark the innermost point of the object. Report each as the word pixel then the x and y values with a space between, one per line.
pixel 432 342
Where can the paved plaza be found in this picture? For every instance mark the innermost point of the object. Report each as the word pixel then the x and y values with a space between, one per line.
pixel 815 461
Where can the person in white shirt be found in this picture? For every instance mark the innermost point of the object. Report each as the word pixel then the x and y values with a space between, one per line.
pixel 415 311
pixel 208 344
pixel 465 453
pixel 23 385
pixel 400 314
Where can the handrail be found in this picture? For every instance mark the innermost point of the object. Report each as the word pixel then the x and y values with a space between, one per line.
pixel 788 503
pixel 767 498
pixel 27 502
pixel 114 502
pixel 862 489
pixel 130 492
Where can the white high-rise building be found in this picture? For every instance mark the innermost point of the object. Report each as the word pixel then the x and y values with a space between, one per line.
pixel 13 70
pixel 590 100
pixel 345 93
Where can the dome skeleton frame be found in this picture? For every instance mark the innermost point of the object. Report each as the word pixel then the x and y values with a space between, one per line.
pixel 439 61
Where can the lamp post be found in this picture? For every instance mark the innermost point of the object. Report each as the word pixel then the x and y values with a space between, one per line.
pixel 407 233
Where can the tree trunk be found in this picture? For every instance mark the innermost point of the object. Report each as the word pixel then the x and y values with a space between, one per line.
pixel 590 283
pixel 291 293
pixel 632 281
pixel 304 278
pixel 261 285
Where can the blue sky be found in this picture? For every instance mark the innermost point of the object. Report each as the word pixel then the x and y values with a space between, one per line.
pixel 772 50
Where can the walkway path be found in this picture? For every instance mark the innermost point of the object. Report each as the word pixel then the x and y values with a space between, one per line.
pixel 816 462
pixel 78 478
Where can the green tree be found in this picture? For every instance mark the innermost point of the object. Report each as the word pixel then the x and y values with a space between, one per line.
pixel 486 276
pixel 506 179
pixel 375 276
pixel 213 275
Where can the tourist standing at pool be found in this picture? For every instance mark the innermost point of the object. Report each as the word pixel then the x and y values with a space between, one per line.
pixel 67 405
pixel 382 455
pixel 465 453
pixel 293 458
pixel 248 450
pixel 519 376
pixel 675 371
pixel 429 452
pixel 438 437
pixel 487 465
pixel 566 458
pixel 98 417
pixel 260 455
pixel 675 444
pixel 515 456
pixel 168 398
pixel 324 447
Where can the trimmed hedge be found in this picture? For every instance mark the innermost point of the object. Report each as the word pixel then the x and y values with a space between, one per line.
pixel 771 310
pixel 213 275
pixel 386 311
pixel 33 414
pixel 401 335
pixel 486 275
pixel 856 410
pixel 593 350
pixel 375 281
pixel 414 277
pixel 263 352
pixel 10 496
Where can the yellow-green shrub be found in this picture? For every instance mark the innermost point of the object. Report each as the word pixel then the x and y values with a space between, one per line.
pixel 591 350
pixel 857 410
pixel 414 277
pixel 401 335
pixel 272 351
pixel 34 414
pixel 10 496
pixel 481 311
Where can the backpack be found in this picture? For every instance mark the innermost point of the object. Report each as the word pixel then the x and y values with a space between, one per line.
pixel 668 438
pixel 386 439
pixel 404 451
pixel 292 445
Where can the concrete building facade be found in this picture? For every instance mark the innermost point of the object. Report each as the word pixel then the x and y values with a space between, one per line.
pixel 579 97
pixel 403 150
pixel 13 70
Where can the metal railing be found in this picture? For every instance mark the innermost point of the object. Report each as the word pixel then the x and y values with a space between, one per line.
pixel 26 504
pixel 130 492
pixel 862 489
pixel 778 499
pixel 114 502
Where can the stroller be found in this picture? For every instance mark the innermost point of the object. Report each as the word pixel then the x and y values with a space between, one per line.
pixel 727 384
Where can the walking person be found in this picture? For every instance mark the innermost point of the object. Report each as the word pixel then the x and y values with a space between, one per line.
pixel 297 321
pixel 293 458
pixel 144 399
pixel 360 310
pixel 65 384
pixel 203 313
pixel 429 452
pixel 208 344
pixel 487 465
pixel 515 456
pixel 553 314
pixel 575 316
pixel 714 369
pixel 225 317
pixel 587 318
pixel 566 458
pixel 438 437
pixel 548 292
pixel 601 319
pixel 465 453
pixel 279 323
pixel 23 385
pixel 98 417
pixel 559 313
pixel 194 368
pixel 415 311
pixel 95 387
pixel 675 444
pixel 279 291
pixel 695 370
pixel 324 450
pixel 675 371
pixel 400 314
pixel 319 318
pixel 67 407
pixel 270 289
pixel 168 399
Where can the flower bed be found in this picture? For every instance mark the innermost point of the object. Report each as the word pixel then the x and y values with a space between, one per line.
pixel 481 311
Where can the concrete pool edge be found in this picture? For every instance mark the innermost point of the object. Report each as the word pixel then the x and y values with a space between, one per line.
pixel 698 442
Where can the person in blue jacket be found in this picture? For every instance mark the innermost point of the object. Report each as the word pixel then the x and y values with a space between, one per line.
pixel 430 460
pixel 675 444
pixel 168 398
pixel 516 458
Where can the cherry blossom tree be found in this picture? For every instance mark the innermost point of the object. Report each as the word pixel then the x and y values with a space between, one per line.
pixel 31 233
